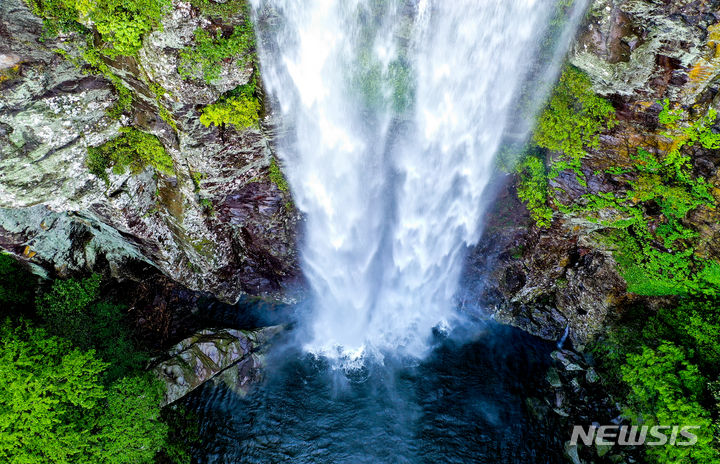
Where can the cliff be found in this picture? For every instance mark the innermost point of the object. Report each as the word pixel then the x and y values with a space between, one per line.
pixel 212 219
pixel 657 64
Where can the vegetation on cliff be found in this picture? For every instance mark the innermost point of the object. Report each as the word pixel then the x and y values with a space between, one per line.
pixel 663 363
pixel 121 24
pixel 240 107
pixel 133 149
pixel 73 388
pixel 572 122
pixel 645 222
pixel 211 49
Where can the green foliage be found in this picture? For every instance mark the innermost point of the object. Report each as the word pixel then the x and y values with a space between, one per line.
pixel 121 24
pixel 573 120
pixel 184 433
pixel 644 361
pixel 54 407
pixel 657 255
pixel 533 189
pixel 276 176
pixel 240 108
pixel 58 16
pixel 212 49
pixel 133 149
pixel 74 310
pixel 131 425
pixel 665 390
pixel 17 286
pixel 94 58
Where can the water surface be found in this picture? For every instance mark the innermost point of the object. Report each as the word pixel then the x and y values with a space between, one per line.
pixel 465 403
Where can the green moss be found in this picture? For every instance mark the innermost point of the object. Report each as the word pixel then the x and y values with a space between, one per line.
pixel 240 108
pixel 532 189
pixel 211 49
pixel 572 121
pixel 165 115
pixel 276 176
pixel 207 206
pixel 220 10
pixel 94 58
pixel 134 150
pixel 657 253
pixel 121 24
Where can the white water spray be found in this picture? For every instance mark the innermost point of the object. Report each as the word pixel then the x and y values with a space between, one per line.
pixel 392 112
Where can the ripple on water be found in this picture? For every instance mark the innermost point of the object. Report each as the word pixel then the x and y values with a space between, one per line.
pixel 463 404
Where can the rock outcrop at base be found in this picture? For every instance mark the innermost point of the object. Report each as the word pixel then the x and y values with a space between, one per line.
pixel 233 356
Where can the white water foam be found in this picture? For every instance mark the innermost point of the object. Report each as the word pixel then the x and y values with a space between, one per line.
pixel 391 113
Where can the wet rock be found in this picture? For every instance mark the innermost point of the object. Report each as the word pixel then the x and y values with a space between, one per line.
pixel 235 355
pixel 571 452
pixel 591 376
pixel 553 378
pixel 566 282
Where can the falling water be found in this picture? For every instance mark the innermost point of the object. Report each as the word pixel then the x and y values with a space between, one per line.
pixel 391 113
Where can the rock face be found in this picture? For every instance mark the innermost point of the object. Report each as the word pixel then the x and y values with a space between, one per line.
pixel 636 53
pixel 218 225
pixel 234 355
pixel 543 281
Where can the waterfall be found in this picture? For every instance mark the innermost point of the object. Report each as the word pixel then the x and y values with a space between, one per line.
pixel 390 114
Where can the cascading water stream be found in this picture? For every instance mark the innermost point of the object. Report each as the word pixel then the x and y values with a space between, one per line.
pixel 391 113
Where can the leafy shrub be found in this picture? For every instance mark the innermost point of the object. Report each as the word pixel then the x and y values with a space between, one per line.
pixel 644 362
pixel 533 189
pixel 132 149
pixel 665 390
pixel 240 108
pixel 241 112
pixel 54 407
pixel 210 50
pixel 74 310
pixel 121 24
pixel 573 120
